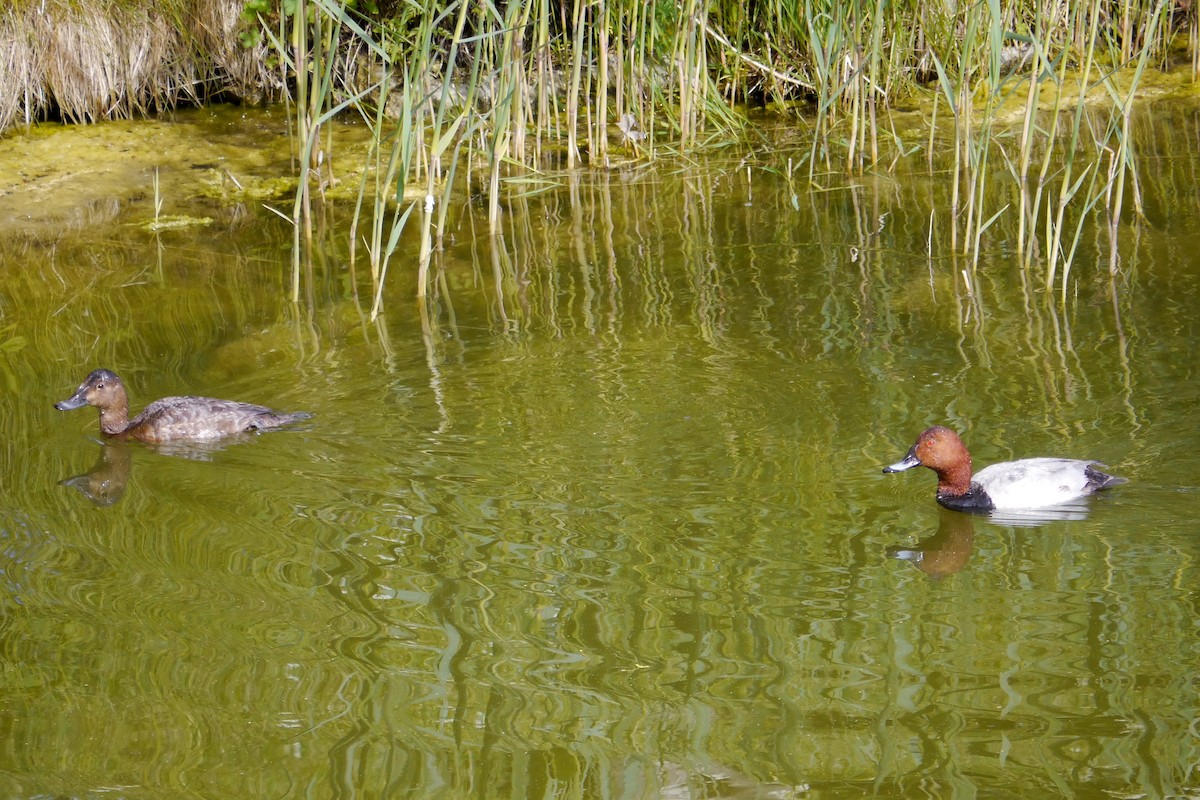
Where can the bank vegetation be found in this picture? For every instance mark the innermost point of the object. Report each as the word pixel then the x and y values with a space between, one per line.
pixel 510 92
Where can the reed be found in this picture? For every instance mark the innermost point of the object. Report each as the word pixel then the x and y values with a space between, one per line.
pixel 494 99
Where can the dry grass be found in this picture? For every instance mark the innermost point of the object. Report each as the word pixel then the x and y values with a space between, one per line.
pixel 88 61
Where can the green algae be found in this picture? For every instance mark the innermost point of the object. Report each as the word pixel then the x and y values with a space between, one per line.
pixel 62 177
pixel 222 185
pixel 174 223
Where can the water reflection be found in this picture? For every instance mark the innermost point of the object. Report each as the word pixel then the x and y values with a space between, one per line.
pixel 200 450
pixel 945 552
pixel 104 484
pixel 677 782
pixel 597 519
pixel 1030 518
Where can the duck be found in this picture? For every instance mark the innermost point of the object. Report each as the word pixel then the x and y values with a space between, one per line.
pixel 1029 483
pixel 171 419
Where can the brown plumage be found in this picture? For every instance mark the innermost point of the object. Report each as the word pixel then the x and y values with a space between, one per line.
pixel 170 419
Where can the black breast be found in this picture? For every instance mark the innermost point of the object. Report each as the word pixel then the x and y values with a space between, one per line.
pixel 974 499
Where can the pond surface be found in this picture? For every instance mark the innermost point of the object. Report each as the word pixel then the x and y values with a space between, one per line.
pixel 608 520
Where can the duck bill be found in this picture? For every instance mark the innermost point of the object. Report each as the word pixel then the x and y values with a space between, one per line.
pixel 908 462
pixel 77 400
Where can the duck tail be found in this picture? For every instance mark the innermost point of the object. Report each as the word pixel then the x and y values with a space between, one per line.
pixel 1099 479
pixel 278 419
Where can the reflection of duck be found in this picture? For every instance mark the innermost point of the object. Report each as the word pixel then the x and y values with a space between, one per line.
pixel 171 418
pixel 1025 484
pixel 944 553
pixel 104 483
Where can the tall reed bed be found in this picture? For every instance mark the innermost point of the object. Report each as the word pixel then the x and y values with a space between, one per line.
pixel 497 99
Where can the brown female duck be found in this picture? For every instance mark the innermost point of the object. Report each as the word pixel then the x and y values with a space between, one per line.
pixel 170 419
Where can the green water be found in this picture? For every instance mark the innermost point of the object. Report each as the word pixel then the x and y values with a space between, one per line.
pixel 609 521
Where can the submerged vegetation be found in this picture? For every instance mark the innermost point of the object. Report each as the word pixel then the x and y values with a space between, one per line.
pixel 496 99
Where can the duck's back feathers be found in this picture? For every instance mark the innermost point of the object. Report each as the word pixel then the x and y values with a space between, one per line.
pixel 1038 482
pixel 198 418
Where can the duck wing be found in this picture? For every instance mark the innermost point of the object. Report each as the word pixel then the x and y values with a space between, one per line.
pixel 202 418
pixel 1038 482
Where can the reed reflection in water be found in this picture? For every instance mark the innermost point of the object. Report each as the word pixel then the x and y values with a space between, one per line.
pixel 607 519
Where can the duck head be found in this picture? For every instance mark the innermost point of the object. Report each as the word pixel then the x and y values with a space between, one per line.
pixel 104 390
pixel 940 449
